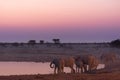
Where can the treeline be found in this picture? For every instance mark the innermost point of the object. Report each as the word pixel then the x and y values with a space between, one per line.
pixel 30 42
pixel 114 43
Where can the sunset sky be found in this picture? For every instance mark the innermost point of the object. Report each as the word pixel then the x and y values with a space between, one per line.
pixel 69 20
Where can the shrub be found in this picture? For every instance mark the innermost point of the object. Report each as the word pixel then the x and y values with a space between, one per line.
pixel 115 43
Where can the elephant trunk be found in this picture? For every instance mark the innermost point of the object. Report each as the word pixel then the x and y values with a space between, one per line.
pixel 51 65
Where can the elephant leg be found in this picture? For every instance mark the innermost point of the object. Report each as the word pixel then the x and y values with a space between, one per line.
pixel 90 68
pixel 55 70
pixel 72 70
pixel 95 67
pixel 63 70
pixel 58 70
pixel 81 69
pixel 76 69
pixel 85 68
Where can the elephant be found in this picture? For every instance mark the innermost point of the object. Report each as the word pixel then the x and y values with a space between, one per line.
pixel 89 60
pixel 79 65
pixel 56 65
pixel 60 63
pixel 93 63
pixel 108 57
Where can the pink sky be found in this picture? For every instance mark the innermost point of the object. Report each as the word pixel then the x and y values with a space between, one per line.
pixel 60 18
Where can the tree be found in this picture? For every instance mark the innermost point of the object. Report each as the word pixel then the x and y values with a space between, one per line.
pixel 32 42
pixel 41 41
pixel 56 41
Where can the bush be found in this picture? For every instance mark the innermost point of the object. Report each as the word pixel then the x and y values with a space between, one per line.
pixel 115 43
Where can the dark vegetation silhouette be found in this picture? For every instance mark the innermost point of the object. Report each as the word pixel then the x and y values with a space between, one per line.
pixel 15 44
pixel 32 42
pixel 56 41
pixel 41 41
pixel 115 43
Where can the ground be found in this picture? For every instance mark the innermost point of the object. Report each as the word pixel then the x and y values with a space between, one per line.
pixel 85 76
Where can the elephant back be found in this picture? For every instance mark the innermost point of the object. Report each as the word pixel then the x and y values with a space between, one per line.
pixel 92 60
pixel 69 61
pixel 85 58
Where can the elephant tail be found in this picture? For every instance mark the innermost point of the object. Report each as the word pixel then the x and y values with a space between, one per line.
pixel 51 65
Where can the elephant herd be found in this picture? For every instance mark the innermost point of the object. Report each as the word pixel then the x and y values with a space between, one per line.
pixel 83 63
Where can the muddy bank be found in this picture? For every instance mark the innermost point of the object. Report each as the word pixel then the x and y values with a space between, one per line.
pixel 101 76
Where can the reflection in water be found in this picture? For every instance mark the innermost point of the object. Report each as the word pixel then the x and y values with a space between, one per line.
pixel 21 68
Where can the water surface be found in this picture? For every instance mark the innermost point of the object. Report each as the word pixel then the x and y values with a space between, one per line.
pixel 22 68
